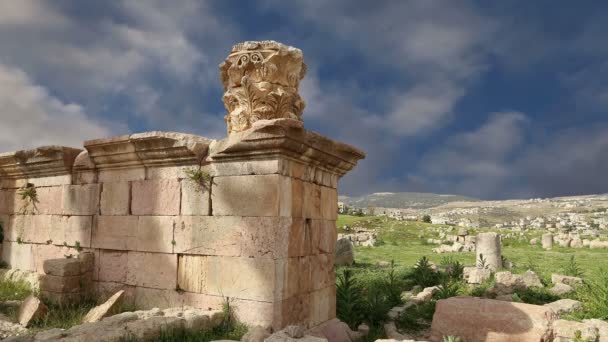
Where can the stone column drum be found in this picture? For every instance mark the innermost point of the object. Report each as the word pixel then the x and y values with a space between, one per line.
pixel 488 247
pixel 547 241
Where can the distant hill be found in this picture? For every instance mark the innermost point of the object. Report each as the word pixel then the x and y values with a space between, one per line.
pixel 415 200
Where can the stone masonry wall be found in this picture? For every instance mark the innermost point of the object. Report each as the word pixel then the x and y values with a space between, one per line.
pixel 261 232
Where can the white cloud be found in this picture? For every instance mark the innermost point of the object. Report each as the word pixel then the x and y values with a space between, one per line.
pixel 31 117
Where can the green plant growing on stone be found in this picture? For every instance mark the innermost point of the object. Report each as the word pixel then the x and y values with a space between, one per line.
pixel 423 273
pixel 201 178
pixel 29 196
pixel 451 338
pixel 19 240
pixel 572 268
pixel 77 246
pixel 482 262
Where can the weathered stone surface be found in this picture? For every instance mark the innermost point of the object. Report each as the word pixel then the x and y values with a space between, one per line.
pixel 155 197
pixel 64 284
pixel 564 306
pixel 245 278
pixel 255 334
pixel 195 198
pixel 81 199
pixel 345 253
pixel 263 195
pixel 19 256
pixel 62 267
pixel 561 289
pixel 547 241
pixel 526 322
pixel 506 282
pixel 115 232
pixel 164 266
pixel 566 331
pixel 155 234
pixel 476 275
pixel 112 266
pixel 601 326
pixel 209 235
pixel 101 311
pixel 261 81
pixel 73 230
pixel 488 250
pixel 115 198
pixel 568 280
pixel 31 309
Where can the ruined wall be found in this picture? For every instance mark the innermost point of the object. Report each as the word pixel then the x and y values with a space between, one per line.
pixel 178 219
pixel 260 231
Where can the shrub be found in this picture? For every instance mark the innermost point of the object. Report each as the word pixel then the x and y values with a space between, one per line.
pixel 349 299
pixel 594 296
pixel 453 269
pixel 426 218
pixel 423 274
pixel 449 288
pixel 572 269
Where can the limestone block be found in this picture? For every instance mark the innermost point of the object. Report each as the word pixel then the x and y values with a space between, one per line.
pixel 329 203
pixel 62 267
pixel 526 322
pixel 122 175
pixel 66 284
pixel 324 236
pixel 264 314
pixel 297 198
pixel 566 331
pixel 345 252
pixel 169 172
pixel 99 312
pixel 195 199
pixel 270 236
pixel 84 177
pixel 209 235
pixel 322 266
pixel 105 290
pixel 322 305
pixel 311 203
pixel 261 195
pixel 50 200
pixel 31 308
pixel 81 199
pixel 112 266
pixel 563 306
pixel 87 261
pixel 547 241
pixel 250 167
pixel 572 281
pixel 294 310
pixel 147 298
pixel 164 268
pixel 155 197
pixel 297 278
pixel 115 232
pixel 73 229
pixel 301 237
pixel 155 234
pixel 227 276
pixel 51 180
pixel 41 253
pixel 115 198
pixel 18 256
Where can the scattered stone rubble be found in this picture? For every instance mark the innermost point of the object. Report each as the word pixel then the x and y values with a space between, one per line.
pixel 361 237
pixel 137 325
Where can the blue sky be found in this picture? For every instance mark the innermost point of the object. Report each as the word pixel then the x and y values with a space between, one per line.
pixel 492 99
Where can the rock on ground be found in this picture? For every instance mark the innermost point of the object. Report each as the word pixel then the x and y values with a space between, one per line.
pixel 31 308
pixel 101 311
pixel 563 279
pixel 563 306
pixel 565 331
pixel 345 253
pixel 454 316
pixel 560 289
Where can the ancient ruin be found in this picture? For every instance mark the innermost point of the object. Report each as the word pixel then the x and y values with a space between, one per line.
pixel 177 219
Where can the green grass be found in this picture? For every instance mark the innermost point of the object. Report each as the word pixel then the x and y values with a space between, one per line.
pixel 234 332
pixel 13 290
pixel 63 316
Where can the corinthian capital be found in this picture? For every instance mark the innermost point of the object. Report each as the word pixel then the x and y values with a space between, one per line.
pixel 261 82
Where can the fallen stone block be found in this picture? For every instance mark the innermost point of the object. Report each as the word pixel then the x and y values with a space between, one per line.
pixel 62 267
pixel 31 309
pixel 560 289
pixel 563 306
pixel 526 322
pixel 567 331
pixel 99 312
pixel 563 279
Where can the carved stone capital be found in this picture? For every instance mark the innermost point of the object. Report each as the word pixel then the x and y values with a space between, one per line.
pixel 261 82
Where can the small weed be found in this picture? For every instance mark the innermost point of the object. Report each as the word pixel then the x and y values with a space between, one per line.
pixel 48 242
pixel 77 246
pixel 63 316
pixel 451 338
pixel 416 318
pixel 200 177
pixel 29 197
pixel 482 261
pixel 572 268
pixel 173 242
pixel 19 240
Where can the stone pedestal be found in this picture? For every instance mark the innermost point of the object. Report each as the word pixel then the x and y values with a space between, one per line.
pixel 547 241
pixel 488 250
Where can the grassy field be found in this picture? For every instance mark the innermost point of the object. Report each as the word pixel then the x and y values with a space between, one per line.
pixel 405 243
